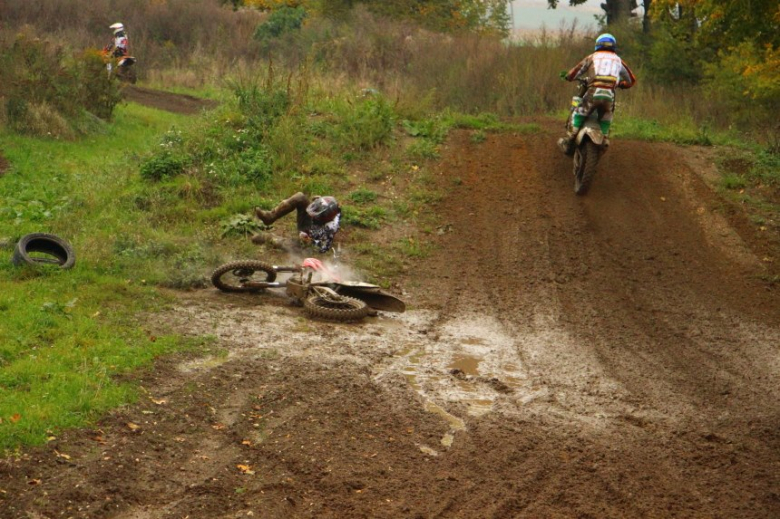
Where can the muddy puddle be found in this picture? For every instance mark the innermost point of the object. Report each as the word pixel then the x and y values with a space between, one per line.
pixel 459 367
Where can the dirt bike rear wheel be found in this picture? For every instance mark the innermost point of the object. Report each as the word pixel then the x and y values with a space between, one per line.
pixel 586 159
pixel 341 308
pixel 243 276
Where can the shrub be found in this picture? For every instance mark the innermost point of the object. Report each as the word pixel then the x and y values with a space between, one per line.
pixel 282 21
pixel 48 90
pixel 368 124
pixel 162 165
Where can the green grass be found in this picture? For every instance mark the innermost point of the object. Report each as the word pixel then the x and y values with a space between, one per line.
pixel 685 132
pixel 66 335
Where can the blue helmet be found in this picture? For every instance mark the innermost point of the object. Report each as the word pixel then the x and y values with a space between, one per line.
pixel 606 42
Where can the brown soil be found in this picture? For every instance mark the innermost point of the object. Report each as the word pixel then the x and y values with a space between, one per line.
pixel 179 103
pixel 609 356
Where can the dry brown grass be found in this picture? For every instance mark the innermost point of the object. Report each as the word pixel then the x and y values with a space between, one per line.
pixel 191 43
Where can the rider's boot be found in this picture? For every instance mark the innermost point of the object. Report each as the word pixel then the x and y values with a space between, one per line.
pixel 566 144
pixel 285 207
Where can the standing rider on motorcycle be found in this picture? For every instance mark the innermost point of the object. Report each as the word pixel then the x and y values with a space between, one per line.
pixel 118 47
pixel 604 71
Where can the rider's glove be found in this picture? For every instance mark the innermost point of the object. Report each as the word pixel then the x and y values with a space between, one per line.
pixel 562 74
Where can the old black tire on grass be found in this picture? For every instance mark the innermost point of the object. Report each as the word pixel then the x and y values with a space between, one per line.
pixel 586 160
pixel 342 308
pixel 44 249
pixel 243 276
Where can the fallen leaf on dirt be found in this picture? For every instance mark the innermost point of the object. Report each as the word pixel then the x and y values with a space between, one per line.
pixel 96 314
pixel 147 412
pixel 99 439
pixel 245 469
pixel 663 199
pixel 62 455
pixel 159 402
pixel 51 438
pixel 16 417
pixel 248 443
pixel 218 426
pixel 180 439
pixel 34 482
pixel 133 427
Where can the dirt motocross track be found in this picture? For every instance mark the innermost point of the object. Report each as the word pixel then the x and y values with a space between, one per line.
pixel 612 356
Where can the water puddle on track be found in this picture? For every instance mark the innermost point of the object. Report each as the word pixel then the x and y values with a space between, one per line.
pixel 464 363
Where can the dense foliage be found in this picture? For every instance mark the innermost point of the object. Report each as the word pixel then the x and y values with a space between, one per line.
pixel 48 91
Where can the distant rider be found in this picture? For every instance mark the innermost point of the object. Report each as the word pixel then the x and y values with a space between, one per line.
pixel 318 219
pixel 118 47
pixel 604 71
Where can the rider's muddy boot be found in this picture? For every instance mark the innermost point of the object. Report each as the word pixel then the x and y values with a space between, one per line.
pixel 285 207
pixel 566 144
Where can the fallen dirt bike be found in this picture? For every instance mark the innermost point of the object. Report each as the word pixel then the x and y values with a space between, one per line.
pixel 589 145
pixel 122 67
pixel 330 298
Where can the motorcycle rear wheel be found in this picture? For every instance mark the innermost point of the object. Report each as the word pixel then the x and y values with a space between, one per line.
pixel 243 276
pixel 341 308
pixel 586 159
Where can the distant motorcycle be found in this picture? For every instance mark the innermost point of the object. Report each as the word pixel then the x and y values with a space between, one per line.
pixel 328 298
pixel 589 145
pixel 122 67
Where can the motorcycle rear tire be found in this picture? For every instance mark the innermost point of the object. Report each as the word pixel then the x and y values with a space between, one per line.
pixel 237 276
pixel 344 309
pixel 586 160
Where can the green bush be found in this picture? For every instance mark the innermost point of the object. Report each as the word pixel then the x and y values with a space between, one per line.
pixel 161 166
pixel 282 21
pixel 48 90
pixel 368 124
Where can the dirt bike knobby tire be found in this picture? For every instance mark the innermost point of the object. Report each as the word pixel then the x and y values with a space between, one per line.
pixel 586 160
pixel 236 276
pixel 55 250
pixel 345 309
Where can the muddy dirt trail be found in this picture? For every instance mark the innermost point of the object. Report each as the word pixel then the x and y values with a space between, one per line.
pixel 602 357
pixel 168 101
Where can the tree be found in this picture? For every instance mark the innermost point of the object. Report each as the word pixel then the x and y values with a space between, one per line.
pixel 616 11
pixel 736 44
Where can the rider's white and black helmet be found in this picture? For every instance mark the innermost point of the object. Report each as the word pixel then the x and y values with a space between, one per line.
pixel 323 209
pixel 117 28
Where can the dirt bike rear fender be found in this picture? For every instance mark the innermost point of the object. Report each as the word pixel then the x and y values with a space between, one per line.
pixel 594 134
pixel 126 61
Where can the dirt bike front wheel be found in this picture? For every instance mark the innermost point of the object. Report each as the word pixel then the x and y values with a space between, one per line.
pixel 338 308
pixel 243 276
